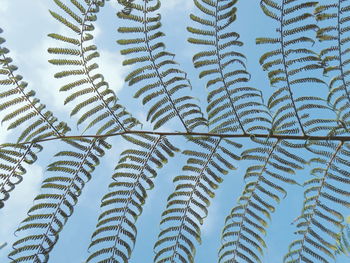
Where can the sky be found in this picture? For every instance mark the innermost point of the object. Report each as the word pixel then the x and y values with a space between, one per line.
pixel 26 25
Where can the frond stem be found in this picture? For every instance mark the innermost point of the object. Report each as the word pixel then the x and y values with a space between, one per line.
pixel 204 134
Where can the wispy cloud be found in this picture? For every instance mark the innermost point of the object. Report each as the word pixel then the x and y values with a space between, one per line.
pixel 28 44
pixel 114 4
pixel 171 5
pixel 3 135
pixel 111 66
pixel 211 222
pixel 4 4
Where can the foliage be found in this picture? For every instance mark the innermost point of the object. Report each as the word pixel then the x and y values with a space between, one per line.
pixel 310 47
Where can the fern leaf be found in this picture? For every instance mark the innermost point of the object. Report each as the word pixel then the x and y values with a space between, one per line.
pixel 99 101
pixel 23 110
pixel 155 68
pixel 320 223
pixel 287 65
pixel 246 225
pixel 12 157
pixel 115 234
pixel 334 23
pixel 55 204
pixel 187 205
pixel 24 106
pixel 225 69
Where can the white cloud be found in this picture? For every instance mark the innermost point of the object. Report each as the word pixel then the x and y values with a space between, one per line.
pixel 4 134
pixel 42 78
pixel 111 67
pixel 28 45
pixel 4 4
pixel 114 4
pixel 170 5
pixel 211 222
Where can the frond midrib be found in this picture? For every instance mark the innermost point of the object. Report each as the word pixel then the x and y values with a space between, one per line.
pixel 197 181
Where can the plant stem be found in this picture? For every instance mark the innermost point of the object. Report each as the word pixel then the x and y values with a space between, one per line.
pixel 204 134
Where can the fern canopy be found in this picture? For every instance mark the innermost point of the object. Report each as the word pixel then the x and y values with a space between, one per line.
pixel 212 131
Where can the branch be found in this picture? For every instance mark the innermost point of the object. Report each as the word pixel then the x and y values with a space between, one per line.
pixel 204 134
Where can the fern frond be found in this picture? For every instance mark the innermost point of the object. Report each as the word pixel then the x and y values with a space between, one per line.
pixel 188 204
pixel 224 67
pixel 22 108
pixel 320 224
pixel 288 63
pixel 115 234
pixel 94 100
pixel 235 110
pixel 56 202
pixel 334 27
pixel 163 85
pixel 12 157
pixel 242 236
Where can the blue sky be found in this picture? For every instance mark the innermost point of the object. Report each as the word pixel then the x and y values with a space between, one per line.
pixel 26 25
